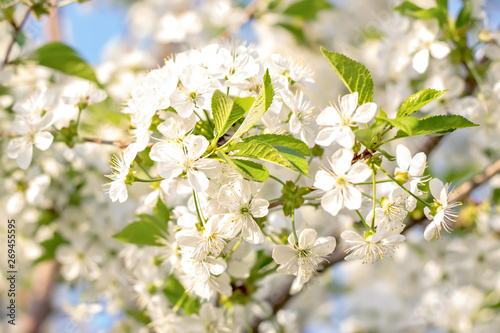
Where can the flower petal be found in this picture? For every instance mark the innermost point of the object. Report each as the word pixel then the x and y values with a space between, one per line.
pixel 345 137
pixel 197 180
pixel 329 117
pixel 352 237
pixel 324 246
pixel 283 254
pixel 349 103
pixel 259 207
pixel 326 136
pixel 364 113
pixel 307 238
pixel 251 232
pixel 403 158
pixel 341 161
pixel 352 197
pixel 358 172
pixel 324 180
pixel 332 201
pixel 421 61
pixel 436 186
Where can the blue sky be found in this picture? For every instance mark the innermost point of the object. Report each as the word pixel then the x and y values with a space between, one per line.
pixel 88 27
pixel 91 26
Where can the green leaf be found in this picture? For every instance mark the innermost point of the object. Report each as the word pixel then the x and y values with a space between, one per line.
pixel 443 4
pixel 162 214
pixel 227 111
pixel 495 198
pixel 63 58
pixel 144 232
pixel 261 105
pixel 416 101
pixel 464 16
pixel 221 109
pixel 50 247
pixel 354 75
pixel 293 196
pixel 40 8
pixel 281 140
pixel 368 136
pixel 296 30
pixel 174 291
pixel 248 169
pixel 307 9
pixel 204 128
pixel 386 154
pixel 408 8
pixel 281 155
pixel 410 126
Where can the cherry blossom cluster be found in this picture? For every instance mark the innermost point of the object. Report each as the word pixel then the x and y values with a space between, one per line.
pixel 226 239
pixel 224 209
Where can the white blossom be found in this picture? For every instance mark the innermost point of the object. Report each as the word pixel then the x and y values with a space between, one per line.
pixel 372 246
pixel 186 161
pixel 243 208
pixel 338 183
pixel 338 120
pixel 120 167
pixel 444 212
pixel 211 240
pixel 301 258
pixel 33 131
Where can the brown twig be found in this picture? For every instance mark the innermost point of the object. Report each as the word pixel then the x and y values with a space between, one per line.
pixel 15 35
pixel 463 191
pixel 40 297
pixel 120 144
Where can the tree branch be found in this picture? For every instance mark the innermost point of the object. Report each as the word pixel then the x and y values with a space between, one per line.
pixel 40 298
pixel 120 144
pixel 463 191
pixel 15 35
pixel 279 300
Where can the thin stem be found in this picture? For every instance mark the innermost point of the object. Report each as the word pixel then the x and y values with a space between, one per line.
pixel 208 118
pixel 277 179
pixel 272 240
pixel 144 170
pixel 312 204
pixel 198 211
pixel 404 188
pixel 196 113
pixel 374 196
pixel 362 219
pixel 181 300
pixel 235 247
pixel 293 227
pixel 377 182
pixel 474 73
pixel 370 197
pixel 275 199
pixel 140 180
pixel 269 271
pixel 17 31
pixel 78 118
